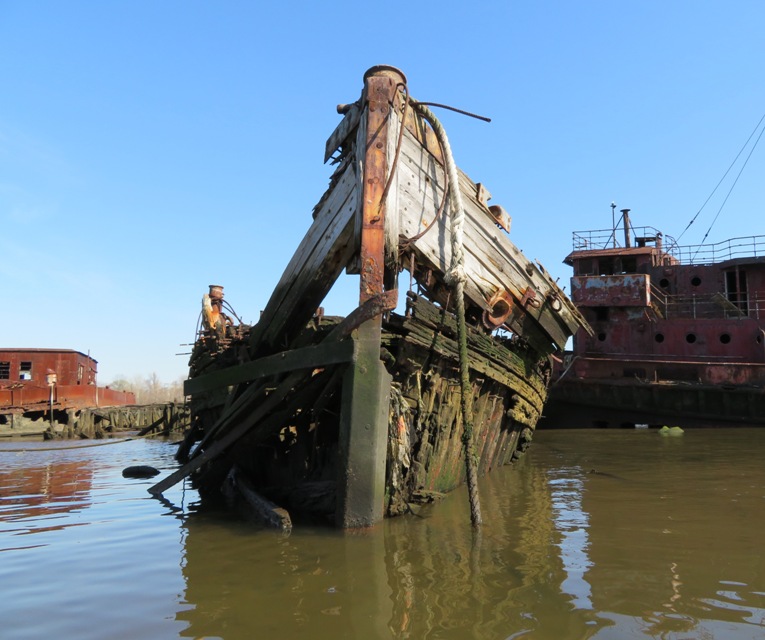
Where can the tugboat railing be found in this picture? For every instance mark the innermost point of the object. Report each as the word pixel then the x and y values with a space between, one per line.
pixel 713 305
pixel 741 247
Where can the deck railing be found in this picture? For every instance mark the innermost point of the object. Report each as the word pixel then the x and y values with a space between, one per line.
pixel 599 239
pixel 743 247
pixel 714 305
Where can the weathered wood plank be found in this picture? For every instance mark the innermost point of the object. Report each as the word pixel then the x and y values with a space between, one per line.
pixel 311 357
pixel 492 262
pixel 259 508
pixel 372 307
pixel 426 319
pixel 237 411
pixel 342 131
pixel 315 266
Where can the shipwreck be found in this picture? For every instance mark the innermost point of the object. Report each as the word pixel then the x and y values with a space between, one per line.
pixel 351 419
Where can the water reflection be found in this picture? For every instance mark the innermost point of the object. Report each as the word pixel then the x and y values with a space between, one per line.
pixel 572 522
pixel 415 577
pixel 673 529
pixel 35 498
pixel 593 535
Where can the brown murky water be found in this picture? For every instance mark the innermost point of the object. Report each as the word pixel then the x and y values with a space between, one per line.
pixel 595 534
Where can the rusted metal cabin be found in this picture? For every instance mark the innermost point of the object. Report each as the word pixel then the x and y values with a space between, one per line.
pixel 679 332
pixel 32 379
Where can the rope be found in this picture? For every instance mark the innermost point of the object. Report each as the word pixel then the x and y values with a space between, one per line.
pixel 456 272
pixel 81 446
pixel 456 278
pixel 754 146
pixel 723 178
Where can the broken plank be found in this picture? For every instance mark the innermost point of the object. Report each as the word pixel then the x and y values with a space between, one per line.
pixel 370 308
pixel 342 131
pixel 319 260
pixel 258 508
pixel 320 355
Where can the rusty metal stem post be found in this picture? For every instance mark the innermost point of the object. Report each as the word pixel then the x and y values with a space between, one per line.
pixel 366 384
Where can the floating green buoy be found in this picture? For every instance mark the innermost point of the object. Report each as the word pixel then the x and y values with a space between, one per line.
pixel 671 431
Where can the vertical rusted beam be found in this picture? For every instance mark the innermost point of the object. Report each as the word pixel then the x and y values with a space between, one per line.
pixel 366 386
pixel 380 90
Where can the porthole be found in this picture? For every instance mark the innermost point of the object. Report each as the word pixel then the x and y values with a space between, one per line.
pixel 695 281
pixel 602 337
pixel 725 338
pixel 690 338
pixel 664 283
pixel 659 337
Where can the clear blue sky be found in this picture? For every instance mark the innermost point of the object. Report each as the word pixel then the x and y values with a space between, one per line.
pixel 148 149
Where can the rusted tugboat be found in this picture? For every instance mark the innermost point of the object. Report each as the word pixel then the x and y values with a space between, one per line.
pixel 678 332
pixel 352 419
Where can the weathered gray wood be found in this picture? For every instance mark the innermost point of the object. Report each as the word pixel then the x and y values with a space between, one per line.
pixel 152 426
pixel 223 442
pixel 342 131
pixel 429 328
pixel 391 204
pixel 320 355
pixel 492 262
pixel 318 261
pixel 237 411
pixel 372 307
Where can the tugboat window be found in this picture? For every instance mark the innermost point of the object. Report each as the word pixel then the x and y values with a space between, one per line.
pixel 629 265
pixel 664 283
pixel 695 281
pixel 602 337
pixel 25 371
pixel 659 337
pixel 725 338
pixel 606 267
pixel 5 370
pixel 735 289
pixel 690 338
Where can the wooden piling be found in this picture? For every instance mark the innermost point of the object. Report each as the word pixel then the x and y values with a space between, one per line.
pixel 366 385
pixel 363 435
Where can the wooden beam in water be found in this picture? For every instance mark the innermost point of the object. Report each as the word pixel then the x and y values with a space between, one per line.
pixel 259 508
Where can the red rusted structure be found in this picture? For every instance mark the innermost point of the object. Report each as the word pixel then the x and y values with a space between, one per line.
pixel 36 379
pixel 679 332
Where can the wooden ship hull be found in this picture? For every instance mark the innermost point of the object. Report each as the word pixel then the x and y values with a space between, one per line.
pixel 352 419
pixel 679 333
